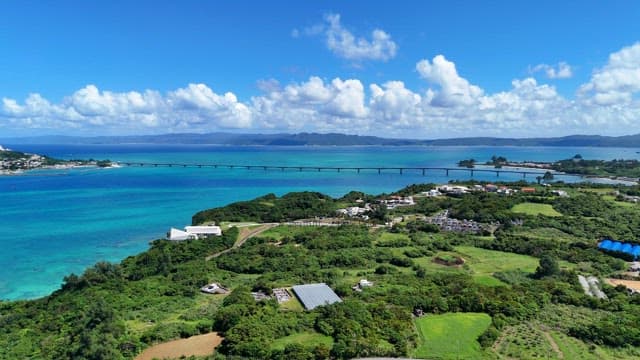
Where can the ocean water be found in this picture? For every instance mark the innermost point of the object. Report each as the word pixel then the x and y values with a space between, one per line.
pixel 57 222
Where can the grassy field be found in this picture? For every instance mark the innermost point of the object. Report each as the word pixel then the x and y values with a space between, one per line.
pixel 387 237
pixel 451 336
pixel 483 261
pixel 292 305
pixel 535 209
pixel 308 339
pixel 480 263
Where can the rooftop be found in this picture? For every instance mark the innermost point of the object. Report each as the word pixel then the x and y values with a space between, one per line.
pixel 314 295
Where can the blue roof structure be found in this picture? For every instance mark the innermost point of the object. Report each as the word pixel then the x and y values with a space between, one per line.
pixel 313 295
pixel 627 248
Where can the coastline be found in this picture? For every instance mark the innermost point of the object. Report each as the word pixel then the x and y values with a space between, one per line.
pixel 19 172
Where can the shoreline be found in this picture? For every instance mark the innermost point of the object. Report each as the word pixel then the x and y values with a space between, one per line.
pixel 622 180
pixel 19 172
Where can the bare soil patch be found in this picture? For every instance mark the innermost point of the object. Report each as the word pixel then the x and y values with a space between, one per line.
pixel 631 284
pixel 448 260
pixel 199 345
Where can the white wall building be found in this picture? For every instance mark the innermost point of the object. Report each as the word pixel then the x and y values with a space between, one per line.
pixel 193 232
pixel 204 230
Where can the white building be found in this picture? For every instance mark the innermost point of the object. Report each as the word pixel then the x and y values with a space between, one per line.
pixel 453 189
pixel 193 232
pixel 179 235
pixel 432 193
pixel 204 230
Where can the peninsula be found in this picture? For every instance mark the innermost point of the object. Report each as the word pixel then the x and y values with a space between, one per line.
pixel 14 162
pixel 507 269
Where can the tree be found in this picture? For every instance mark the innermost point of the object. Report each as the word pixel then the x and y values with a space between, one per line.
pixel 548 266
pixel 548 176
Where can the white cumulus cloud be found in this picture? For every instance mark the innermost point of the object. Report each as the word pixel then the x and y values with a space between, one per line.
pixel 450 106
pixel 617 81
pixel 562 70
pixel 454 89
pixel 345 44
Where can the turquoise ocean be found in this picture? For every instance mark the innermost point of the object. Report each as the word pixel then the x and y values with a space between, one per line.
pixel 57 222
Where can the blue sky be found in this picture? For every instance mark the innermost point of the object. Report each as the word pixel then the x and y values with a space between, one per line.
pixel 420 69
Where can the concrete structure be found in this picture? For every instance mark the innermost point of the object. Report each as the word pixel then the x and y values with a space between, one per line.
pixel 560 193
pixel 214 288
pixel 432 193
pixel 313 295
pixel 281 295
pixel 200 231
pixel 363 283
pixel 179 235
pixel 193 232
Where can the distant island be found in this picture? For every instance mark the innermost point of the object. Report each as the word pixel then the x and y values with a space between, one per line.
pixel 617 168
pixel 330 139
pixel 14 162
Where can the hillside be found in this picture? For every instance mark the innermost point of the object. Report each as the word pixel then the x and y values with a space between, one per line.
pixel 508 291
pixel 331 139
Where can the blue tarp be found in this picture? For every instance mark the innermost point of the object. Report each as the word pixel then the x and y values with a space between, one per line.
pixel 618 246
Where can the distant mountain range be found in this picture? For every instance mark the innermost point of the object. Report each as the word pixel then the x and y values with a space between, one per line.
pixel 315 139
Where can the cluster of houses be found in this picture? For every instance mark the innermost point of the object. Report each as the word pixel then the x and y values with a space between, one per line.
pixel 390 203
pixel 29 161
pixel 445 223
pixel 397 201
pixel 194 232
pixel 356 211
pixel 459 190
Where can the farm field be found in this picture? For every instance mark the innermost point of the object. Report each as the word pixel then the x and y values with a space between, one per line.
pixel 534 209
pixel 451 336
pixel 200 345
pixel 533 340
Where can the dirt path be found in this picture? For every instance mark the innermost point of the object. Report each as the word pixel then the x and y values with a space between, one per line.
pixel 553 344
pixel 200 345
pixel 245 234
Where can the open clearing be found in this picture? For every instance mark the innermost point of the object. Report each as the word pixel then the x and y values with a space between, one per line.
pixel 535 209
pixel 481 263
pixel 631 284
pixel 199 345
pixel 451 336
pixel 307 339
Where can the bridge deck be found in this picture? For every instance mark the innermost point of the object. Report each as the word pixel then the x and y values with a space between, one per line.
pixel 378 169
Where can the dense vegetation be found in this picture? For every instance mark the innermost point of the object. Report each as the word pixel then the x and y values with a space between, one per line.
pixel 523 275
pixel 616 167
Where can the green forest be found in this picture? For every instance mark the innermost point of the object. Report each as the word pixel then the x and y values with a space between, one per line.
pixel 509 292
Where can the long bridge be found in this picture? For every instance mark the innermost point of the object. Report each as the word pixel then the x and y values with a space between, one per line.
pixel 379 169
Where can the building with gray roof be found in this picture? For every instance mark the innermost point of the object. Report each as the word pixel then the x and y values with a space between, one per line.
pixel 313 295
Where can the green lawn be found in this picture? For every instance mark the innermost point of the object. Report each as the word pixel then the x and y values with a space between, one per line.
pixel 486 262
pixel 292 305
pixel 535 209
pixel 387 237
pixel 450 336
pixel 308 339
pixel 481 263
